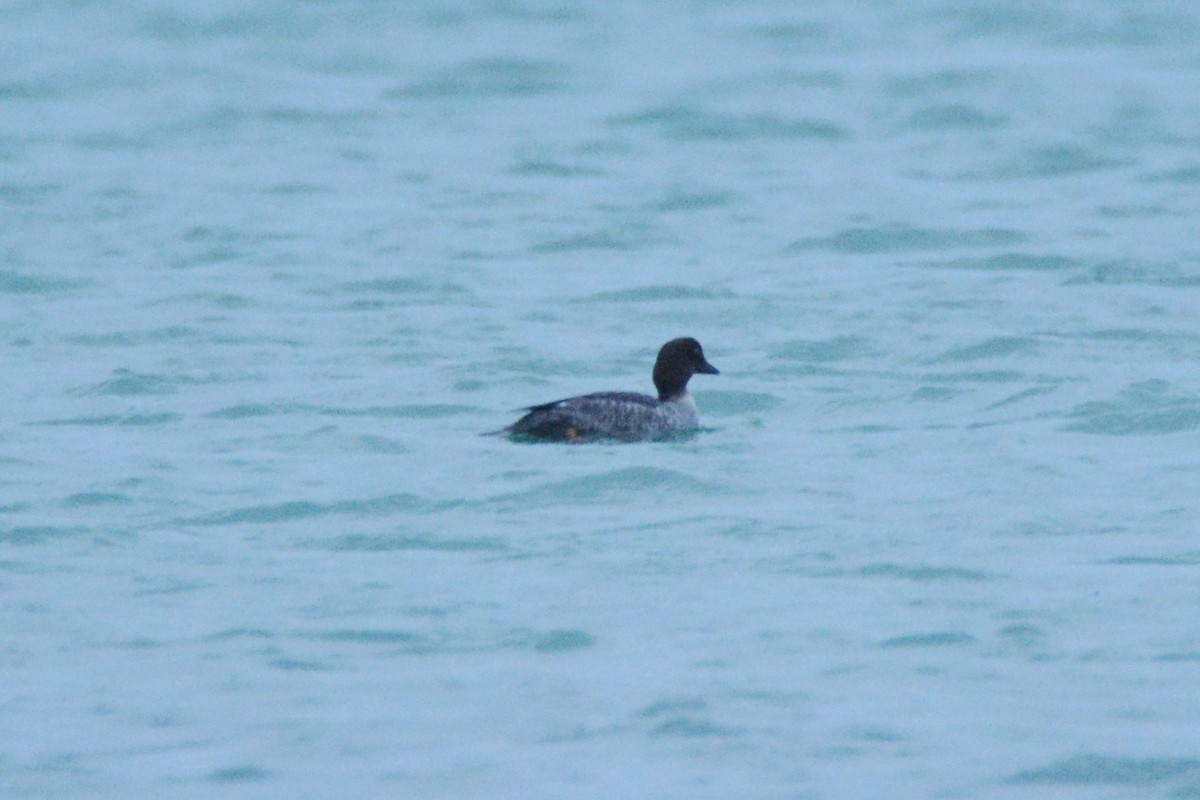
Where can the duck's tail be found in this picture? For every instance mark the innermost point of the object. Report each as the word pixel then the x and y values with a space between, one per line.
pixel 501 432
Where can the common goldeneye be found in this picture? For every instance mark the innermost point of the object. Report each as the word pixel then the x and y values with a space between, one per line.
pixel 624 416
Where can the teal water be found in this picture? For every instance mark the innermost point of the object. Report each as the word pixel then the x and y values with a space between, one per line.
pixel 267 273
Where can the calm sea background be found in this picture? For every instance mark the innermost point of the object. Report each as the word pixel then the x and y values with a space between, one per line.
pixel 268 270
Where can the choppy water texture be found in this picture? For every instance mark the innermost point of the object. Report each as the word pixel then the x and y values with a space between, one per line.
pixel 267 271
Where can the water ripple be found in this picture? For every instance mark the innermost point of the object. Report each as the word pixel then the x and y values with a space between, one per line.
pixel 996 347
pixel 684 123
pixel 902 238
pixel 1096 770
pixel 1055 161
pixel 654 294
pixel 489 77
pixel 615 486
pixel 307 509
pixel 839 348
pixel 127 383
pixel 923 573
pixel 1134 272
pixel 121 420
pixel 940 639
pixel 686 718
pixel 405 287
pixel 1007 262
pixel 242 773
pixel 622 237
pixel 954 116
pixel 20 283
pixel 390 542
pixel 87 499
pixel 1142 409
pixel 38 534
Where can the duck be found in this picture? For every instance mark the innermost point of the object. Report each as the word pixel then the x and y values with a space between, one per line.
pixel 624 416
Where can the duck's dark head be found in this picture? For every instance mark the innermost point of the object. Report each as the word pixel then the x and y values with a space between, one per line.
pixel 678 361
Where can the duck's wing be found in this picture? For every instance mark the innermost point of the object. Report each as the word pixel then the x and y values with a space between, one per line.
pixel 610 415
pixel 596 399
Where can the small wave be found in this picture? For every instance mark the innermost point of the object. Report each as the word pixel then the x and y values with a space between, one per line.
pixel 901 238
pixel 19 283
pixel 940 639
pixel 615 486
pixel 172 333
pixel 728 404
pixel 685 717
pixel 1094 770
pixel 546 168
pixel 996 347
pixel 1055 161
pixel 489 77
pixel 653 294
pixel 954 117
pixel 127 383
pixel 374 636
pixel 562 641
pixel 795 36
pixel 124 420
pixel 242 773
pixel 1132 272
pixel 390 542
pixel 691 124
pixel 251 410
pixel 38 534
pixel 307 509
pixel 204 245
pixel 976 376
pixel 404 287
pixel 839 348
pixel 413 411
pixel 679 200
pixel 1021 396
pixel 1188 559
pixel 942 82
pixel 30 90
pixel 1186 176
pixel 1143 409
pixel 923 573
pixel 621 238
pixel 1010 262
pixel 88 499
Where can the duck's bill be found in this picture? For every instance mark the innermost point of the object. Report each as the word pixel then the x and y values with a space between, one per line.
pixel 708 369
